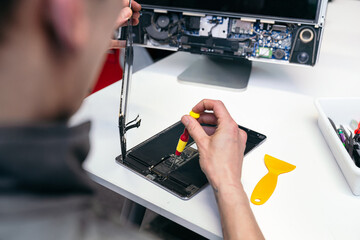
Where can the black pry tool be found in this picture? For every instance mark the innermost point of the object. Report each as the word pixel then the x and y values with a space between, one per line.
pixel 128 69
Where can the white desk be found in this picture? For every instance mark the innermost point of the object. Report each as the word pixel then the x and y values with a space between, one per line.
pixel 312 202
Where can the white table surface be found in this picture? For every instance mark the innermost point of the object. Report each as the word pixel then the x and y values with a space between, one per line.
pixel 312 202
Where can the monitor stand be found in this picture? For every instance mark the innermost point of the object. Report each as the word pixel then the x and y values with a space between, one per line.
pixel 223 72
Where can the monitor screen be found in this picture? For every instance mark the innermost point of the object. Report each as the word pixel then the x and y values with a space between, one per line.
pixel 293 9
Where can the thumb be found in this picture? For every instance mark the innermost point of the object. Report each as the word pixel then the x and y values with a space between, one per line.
pixel 194 128
pixel 124 15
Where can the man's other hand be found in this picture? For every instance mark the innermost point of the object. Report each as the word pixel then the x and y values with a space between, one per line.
pixel 125 14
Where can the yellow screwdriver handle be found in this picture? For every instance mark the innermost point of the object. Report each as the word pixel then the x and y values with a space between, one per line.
pixel 264 189
pixel 194 115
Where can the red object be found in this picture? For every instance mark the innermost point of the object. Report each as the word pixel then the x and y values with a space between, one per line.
pixel 357 131
pixel 111 71
pixel 185 138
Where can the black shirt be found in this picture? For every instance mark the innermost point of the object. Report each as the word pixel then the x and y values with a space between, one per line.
pixel 44 192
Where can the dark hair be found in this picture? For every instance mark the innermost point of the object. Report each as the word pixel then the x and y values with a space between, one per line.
pixel 6 13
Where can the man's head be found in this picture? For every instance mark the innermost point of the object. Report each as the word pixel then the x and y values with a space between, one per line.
pixel 50 54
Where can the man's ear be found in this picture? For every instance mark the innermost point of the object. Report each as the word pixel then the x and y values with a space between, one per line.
pixel 69 22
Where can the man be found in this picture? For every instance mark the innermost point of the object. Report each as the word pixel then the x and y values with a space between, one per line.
pixel 50 54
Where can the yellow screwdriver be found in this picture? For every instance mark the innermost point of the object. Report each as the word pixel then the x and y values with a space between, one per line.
pixel 184 138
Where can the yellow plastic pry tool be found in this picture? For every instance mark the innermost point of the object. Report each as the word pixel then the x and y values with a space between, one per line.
pixel 266 186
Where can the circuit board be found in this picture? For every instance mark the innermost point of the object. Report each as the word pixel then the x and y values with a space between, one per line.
pixel 172 162
pixel 247 39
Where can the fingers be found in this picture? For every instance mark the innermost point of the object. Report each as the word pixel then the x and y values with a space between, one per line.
pixel 209 130
pixel 124 15
pixel 136 16
pixel 135 21
pixel 208 118
pixel 135 6
pixel 216 106
pixel 127 13
pixel 115 44
pixel 122 20
pixel 194 128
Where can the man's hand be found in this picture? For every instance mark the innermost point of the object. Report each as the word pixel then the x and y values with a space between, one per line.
pixel 221 148
pixel 221 151
pixel 125 14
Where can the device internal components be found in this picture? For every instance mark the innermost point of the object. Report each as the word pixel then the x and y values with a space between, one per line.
pixel 264 52
pixel 241 27
pixel 223 36
pixel 172 162
pixel 216 27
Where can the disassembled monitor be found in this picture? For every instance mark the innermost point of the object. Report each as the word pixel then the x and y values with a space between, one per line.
pixel 154 159
pixel 278 31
